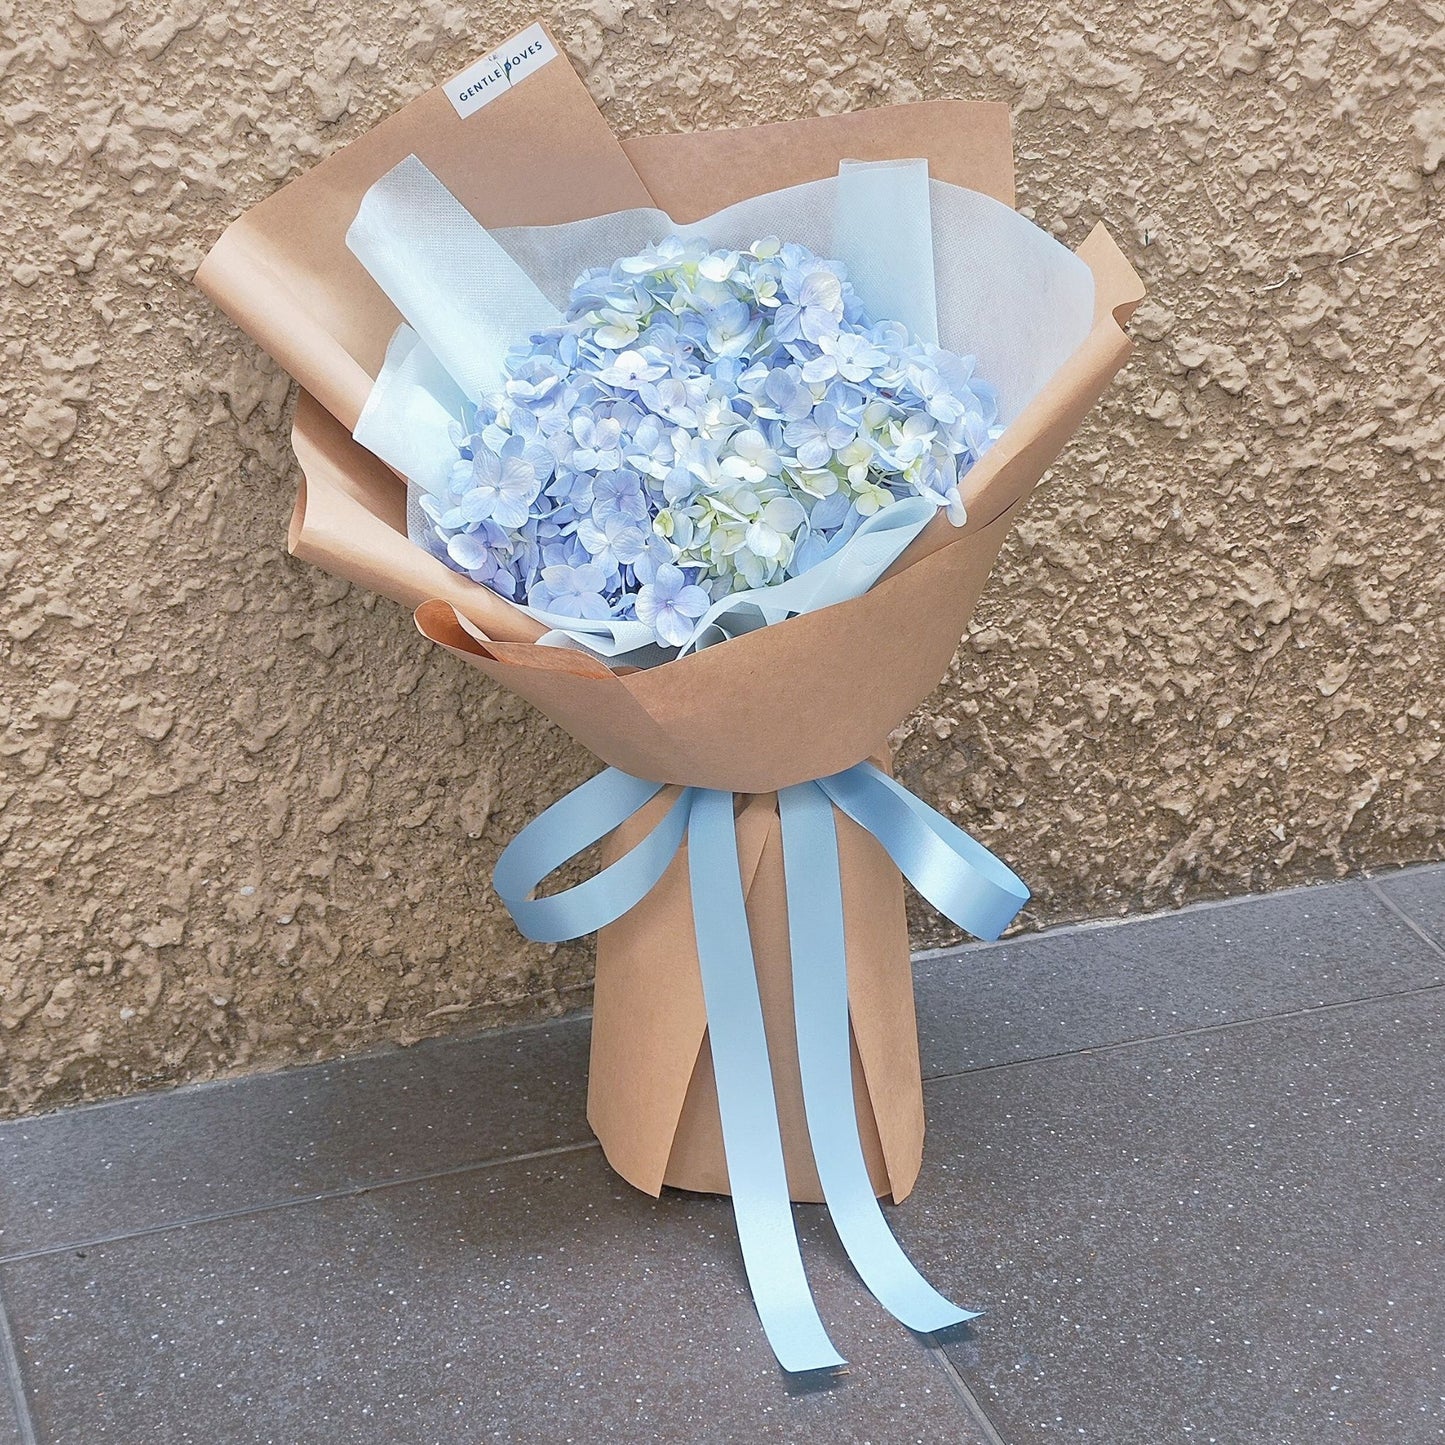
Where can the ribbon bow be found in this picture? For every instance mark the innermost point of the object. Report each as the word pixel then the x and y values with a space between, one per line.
pixel 956 874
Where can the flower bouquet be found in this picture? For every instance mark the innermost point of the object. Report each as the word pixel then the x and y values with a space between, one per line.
pixel 705 445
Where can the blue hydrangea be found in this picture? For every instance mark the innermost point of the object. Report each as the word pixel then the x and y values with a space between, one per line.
pixel 703 422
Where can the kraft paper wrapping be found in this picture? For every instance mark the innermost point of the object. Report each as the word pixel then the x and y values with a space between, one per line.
pixel 795 701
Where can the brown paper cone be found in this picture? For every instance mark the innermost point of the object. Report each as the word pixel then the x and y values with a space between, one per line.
pixel 652 1100
pixel 795 701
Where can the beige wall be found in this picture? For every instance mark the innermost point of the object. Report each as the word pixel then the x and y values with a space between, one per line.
pixel 247 816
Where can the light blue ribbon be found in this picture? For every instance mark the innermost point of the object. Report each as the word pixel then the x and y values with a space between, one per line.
pixel 960 877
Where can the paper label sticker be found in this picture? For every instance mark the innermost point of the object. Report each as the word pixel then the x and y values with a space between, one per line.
pixel 495 74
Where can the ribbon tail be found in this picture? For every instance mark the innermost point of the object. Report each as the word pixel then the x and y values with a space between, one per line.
pixel 752 1142
pixel 820 1007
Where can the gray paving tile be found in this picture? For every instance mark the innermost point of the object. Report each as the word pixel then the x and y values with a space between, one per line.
pixel 9 1424
pixel 1082 988
pixel 11 1406
pixel 537 1301
pixel 1235 1236
pixel 1419 892
pixel 92 1172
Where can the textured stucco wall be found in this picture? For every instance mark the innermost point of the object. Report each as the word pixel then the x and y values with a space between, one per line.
pixel 247 815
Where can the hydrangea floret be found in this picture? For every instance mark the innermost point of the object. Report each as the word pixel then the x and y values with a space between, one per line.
pixel 702 422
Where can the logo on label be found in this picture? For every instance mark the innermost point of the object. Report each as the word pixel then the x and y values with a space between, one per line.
pixel 497 73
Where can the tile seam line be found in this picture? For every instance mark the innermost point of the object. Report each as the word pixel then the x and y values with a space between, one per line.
pixel 959 1386
pixel 1425 937
pixel 501 1160
pixel 286 1073
pixel 15 1381
pixel 325 1196
pixel 1202 905
pixel 1145 1039
pixel 572 1017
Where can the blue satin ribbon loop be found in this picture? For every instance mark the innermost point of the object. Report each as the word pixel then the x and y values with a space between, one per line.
pixel 958 876
pixel 576 822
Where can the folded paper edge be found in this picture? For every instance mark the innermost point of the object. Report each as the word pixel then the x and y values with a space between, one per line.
pixel 235 276
pixel 350 519
pixel 981 158
pixel 439 621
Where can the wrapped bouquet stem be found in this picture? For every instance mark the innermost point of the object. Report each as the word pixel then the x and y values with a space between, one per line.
pixel 705 445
